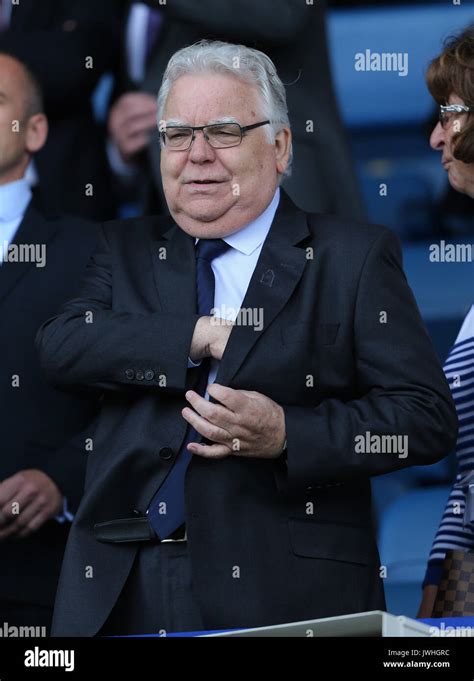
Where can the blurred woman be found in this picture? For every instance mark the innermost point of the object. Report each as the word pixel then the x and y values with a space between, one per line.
pixel 450 79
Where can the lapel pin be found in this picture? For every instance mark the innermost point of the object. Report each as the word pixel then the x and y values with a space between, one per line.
pixel 268 278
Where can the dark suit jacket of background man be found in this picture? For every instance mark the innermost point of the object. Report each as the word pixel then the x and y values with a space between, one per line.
pixel 54 37
pixel 39 422
pixel 321 317
pixel 293 35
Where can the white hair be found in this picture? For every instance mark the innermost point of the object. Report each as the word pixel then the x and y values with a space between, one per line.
pixel 245 63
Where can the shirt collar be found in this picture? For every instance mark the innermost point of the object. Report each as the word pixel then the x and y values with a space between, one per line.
pixel 250 237
pixel 14 199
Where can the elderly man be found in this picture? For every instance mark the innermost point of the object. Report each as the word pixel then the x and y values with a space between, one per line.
pixel 250 507
pixel 293 34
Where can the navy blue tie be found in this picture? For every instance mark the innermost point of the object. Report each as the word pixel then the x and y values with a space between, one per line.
pixel 166 510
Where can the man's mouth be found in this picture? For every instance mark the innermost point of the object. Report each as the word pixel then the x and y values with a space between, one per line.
pixel 205 182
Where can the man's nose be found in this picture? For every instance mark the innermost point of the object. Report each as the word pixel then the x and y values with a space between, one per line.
pixel 437 138
pixel 201 150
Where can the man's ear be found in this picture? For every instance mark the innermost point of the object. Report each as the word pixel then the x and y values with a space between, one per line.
pixel 36 133
pixel 282 148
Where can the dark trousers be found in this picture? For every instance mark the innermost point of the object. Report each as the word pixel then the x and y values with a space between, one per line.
pixel 157 597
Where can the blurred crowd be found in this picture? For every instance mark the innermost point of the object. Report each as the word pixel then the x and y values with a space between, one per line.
pixel 95 165
pixel 81 79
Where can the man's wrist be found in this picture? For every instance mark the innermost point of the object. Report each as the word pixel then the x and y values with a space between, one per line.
pixel 200 341
pixel 282 430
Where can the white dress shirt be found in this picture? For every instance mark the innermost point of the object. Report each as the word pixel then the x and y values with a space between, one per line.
pixel 136 32
pixel 14 200
pixel 234 268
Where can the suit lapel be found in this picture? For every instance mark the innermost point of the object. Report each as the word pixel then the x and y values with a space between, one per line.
pixel 278 271
pixel 34 229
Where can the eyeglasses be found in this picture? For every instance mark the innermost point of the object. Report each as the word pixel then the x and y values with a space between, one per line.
pixel 219 135
pixel 446 113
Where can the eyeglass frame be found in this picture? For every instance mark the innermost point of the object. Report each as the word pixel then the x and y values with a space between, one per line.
pixel 193 128
pixel 451 108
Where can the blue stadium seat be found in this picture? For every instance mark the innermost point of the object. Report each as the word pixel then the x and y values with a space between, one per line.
pixel 399 198
pixel 405 536
pixel 370 98
pixel 387 113
pixel 444 291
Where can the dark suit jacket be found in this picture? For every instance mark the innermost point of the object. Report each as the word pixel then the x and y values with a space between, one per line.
pixel 293 35
pixel 321 317
pixel 54 37
pixel 38 422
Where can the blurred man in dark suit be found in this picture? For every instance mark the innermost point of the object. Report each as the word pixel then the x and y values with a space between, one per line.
pixel 303 333
pixel 293 34
pixel 41 468
pixel 69 45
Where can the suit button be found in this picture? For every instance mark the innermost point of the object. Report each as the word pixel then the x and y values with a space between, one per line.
pixel 139 375
pixel 149 375
pixel 166 453
pixel 130 374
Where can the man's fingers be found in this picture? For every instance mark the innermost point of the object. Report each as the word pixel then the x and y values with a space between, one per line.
pixel 235 400
pixel 122 120
pixel 30 512
pixel 131 146
pixel 134 104
pixel 35 522
pixel 13 507
pixel 212 412
pixel 5 519
pixel 20 528
pixel 205 428
pixel 139 124
pixel 10 487
pixel 20 501
pixel 209 451
pixel 19 511
pixel 31 517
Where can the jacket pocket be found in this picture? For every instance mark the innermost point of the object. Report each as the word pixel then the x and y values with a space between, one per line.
pixel 348 543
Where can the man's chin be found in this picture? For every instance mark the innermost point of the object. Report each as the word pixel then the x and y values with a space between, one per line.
pixel 205 223
pixel 204 209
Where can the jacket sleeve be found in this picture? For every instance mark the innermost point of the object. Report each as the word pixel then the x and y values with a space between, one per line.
pixel 400 386
pixel 89 345
pixel 66 466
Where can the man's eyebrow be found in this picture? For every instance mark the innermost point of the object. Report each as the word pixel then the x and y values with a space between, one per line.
pixel 3 95
pixel 176 121
pixel 226 119
pixel 213 121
